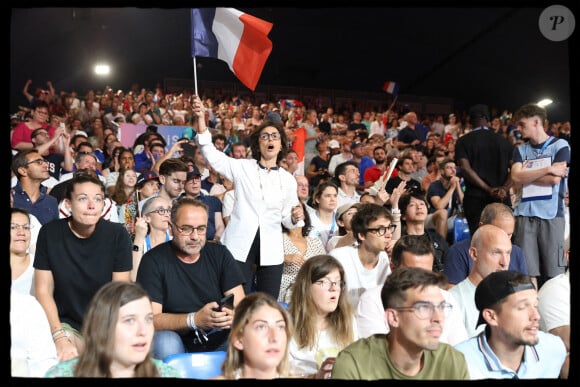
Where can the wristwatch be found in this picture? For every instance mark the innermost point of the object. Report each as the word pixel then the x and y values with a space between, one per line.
pixel 136 248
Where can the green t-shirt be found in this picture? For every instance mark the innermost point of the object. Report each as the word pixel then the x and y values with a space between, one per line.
pixel 369 359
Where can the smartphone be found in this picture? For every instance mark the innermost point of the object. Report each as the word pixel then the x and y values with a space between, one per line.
pixel 188 149
pixel 227 301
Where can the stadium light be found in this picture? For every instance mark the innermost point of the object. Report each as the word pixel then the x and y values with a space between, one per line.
pixel 102 69
pixel 545 102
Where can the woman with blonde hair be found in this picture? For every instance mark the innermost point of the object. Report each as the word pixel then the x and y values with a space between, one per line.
pixel 118 331
pixel 323 318
pixel 258 341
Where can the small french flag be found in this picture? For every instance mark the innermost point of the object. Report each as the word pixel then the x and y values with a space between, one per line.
pixel 391 87
pixel 288 103
pixel 237 38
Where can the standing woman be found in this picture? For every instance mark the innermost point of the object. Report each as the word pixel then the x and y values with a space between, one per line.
pixel 322 316
pixel 324 202
pixel 298 246
pixel 118 331
pixel 265 199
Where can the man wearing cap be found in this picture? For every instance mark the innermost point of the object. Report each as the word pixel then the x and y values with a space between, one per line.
pixel 344 155
pixel 512 345
pixel 345 237
pixel 215 223
pixel 147 186
pixel 485 159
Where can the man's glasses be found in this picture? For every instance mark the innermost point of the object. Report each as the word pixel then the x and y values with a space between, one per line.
pixel 380 231
pixel 16 226
pixel 188 230
pixel 161 211
pixel 424 310
pixel 327 284
pixel 37 162
pixel 266 136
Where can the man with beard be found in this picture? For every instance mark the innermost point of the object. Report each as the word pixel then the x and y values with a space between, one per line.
pixel 512 345
pixel 373 173
pixel 186 277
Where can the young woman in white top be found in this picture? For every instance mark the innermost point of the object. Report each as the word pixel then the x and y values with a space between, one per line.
pixel 323 319
pixel 324 202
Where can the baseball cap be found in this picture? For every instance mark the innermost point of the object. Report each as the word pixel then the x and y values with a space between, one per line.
pixel 497 286
pixel 355 144
pixel 333 144
pixel 344 208
pixel 146 176
pixel 192 174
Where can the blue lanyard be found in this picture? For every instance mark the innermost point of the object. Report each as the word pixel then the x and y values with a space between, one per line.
pixel 545 146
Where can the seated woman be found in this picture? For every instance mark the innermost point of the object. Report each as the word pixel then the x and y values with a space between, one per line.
pixel 298 246
pixel 118 331
pixel 324 202
pixel 322 315
pixel 151 229
pixel 258 342
pixel 21 259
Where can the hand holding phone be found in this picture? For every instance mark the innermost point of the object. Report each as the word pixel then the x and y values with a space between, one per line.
pixel 227 301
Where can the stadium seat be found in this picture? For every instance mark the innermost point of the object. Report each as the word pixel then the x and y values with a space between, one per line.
pixel 197 365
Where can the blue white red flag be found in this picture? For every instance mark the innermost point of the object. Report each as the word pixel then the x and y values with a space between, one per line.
pixel 288 103
pixel 237 38
pixel 391 87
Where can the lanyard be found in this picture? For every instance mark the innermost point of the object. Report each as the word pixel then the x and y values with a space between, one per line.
pixel 545 146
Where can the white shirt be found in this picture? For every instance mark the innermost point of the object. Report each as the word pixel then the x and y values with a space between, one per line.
pixel 343 198
pixel 264 200
pixel 370 317
pixel 554 302
pixel 32 350
pixel 464 293
pixel 307 361
pixel 357 277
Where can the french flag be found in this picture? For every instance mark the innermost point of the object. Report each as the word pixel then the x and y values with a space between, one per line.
pixel 289 103
pixel 239 39
pixel 391 87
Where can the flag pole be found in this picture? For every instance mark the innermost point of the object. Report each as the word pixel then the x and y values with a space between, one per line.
pixel 195 74
pixel 393 103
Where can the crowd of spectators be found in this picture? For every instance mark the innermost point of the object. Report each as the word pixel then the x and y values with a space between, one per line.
pixel 72 175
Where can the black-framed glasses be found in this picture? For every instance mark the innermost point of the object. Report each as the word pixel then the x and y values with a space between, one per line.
pixel 161 211
pixel 188 230
pixel 38 162
pixel 424 310
pixel 327 284
pixel 380 231
pixel 266 136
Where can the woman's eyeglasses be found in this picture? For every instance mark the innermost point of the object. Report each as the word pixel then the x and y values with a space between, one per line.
pixel 161 211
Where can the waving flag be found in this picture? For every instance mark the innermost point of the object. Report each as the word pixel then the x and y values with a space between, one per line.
pixel 289 103
pixel 239 39
pixel 391 87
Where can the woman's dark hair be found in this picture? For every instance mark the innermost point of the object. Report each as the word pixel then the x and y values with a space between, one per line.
pixel 255 140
